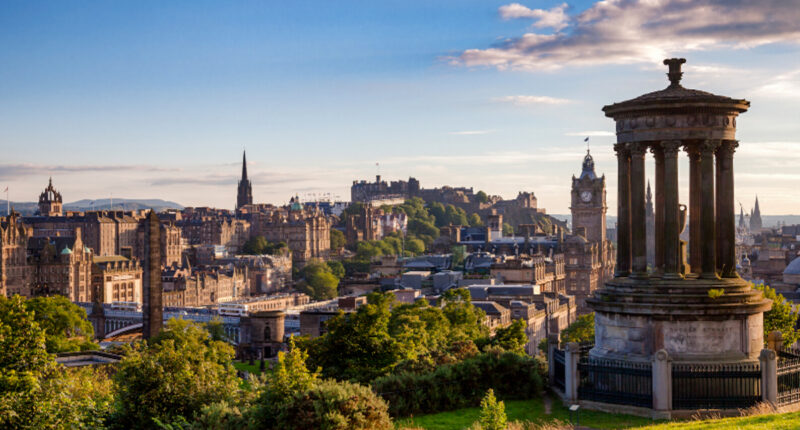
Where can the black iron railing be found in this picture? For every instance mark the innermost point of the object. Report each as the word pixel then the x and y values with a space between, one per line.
pixel 617 382
pixel 788 376
pixel 585 347
pixel 715 386
pixel 558 369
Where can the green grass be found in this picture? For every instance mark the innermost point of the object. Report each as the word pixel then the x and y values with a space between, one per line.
pixel 241 365
pixel 785 421
pixel 523 410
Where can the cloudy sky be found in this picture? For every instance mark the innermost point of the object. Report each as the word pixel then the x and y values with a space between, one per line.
pixel 154 99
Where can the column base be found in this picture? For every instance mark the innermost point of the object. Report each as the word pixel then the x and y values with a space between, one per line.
pixel 640 275
pixel 709 275
pixel 672 276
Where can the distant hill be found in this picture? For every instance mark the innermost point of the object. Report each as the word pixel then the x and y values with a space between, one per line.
pixel 29 208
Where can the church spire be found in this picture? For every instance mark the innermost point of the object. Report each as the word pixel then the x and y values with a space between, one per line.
pixel 244 165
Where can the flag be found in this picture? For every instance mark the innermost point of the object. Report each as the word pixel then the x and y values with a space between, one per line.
pixel 586 140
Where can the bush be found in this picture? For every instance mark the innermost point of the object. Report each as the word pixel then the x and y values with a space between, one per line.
pixel 463 384
pixel 335 405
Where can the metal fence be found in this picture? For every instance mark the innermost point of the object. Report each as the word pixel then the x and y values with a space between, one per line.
pixel 617 382
pixel 715 386
pixel 558 369
pixel 788 376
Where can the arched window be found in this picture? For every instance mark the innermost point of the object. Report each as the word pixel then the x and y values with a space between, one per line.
pixel 267 333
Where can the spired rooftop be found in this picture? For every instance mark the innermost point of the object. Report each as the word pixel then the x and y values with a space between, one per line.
pixel 691 303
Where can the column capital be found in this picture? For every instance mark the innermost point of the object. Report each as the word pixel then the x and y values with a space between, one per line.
pixel 727 147
pixel 637 149
pixel 693 150
pixel 710 146
pixel 621 148
pixel 671 147
pixel 656 150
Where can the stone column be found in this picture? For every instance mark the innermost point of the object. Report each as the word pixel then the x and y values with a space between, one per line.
pixel 671 231
pixel 695 207
pixel 658 154
pixel 775 340
pixel 662 381
pixel 769 376
pixel 638 211
pixel 553 339
pixel 708 230
pixel 726 219
pixel 623 267
pixel 572 354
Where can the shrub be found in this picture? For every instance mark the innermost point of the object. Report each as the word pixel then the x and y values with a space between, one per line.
pixel 463 384
pixel 335 405
pixel 493 413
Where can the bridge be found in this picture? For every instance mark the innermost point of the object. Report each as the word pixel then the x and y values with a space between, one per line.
pixel 122 321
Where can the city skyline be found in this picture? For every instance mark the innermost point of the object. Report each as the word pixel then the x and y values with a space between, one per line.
pixel 497 96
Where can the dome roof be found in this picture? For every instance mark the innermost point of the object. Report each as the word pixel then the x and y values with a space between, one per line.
pixel 793 268
pixel 66 251
pixel 588 167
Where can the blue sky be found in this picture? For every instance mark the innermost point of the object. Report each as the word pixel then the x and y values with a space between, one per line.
pixel 157 99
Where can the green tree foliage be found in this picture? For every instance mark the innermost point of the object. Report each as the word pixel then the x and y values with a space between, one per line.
pixel 512 337
pixel 35 392
pixel 337 240
pixel 582 330
pixel 493 413
pixel 259 245
pixel 336 406
pixel 337 268
pixel 482 197
pixel 176 374
pixel 319 280
pixel 381 335
pixel 465 319
pixel 508 229
pixel 781 317
pixel 462 384
pixel 64 323
pixel 475 220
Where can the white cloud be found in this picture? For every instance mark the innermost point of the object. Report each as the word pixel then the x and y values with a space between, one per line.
pixel 595 133
pixel 531 100
pixel 470 132
pixel 554 18
pixel 785 85
pixel 641 31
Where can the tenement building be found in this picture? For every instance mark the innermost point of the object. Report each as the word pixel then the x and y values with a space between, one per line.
pixel 116 279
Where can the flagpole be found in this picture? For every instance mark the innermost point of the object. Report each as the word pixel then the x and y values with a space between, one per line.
pixel 8 203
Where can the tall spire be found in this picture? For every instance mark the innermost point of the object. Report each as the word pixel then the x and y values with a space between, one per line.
pixel 244 165
pixel 649 193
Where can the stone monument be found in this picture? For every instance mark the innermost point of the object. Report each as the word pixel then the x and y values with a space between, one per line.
pixel 152 304
pixel 699 311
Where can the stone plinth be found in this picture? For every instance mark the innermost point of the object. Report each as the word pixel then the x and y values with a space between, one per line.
pixel 636 318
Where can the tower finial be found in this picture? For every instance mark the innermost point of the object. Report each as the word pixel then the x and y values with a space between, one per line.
pixel 675 73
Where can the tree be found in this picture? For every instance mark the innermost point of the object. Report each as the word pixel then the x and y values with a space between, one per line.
pixel 475 220
pixel 337 240
pixel 582 330
pixel 255 245
pixel 64 323
pixel 508 229
pixel 415 246
pixel 459 255
pixel 511 338
pixel 319 281
pixel 337 268
pixel 482 197
pixel 175 375
pixel 781 317
pixel 493 413
pixel 465 319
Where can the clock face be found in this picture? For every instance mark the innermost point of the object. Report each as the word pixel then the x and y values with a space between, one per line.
pixel 586 196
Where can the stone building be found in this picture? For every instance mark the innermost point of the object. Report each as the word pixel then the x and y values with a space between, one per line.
pixel 589 254
pixel 116 279
pixel 15 273
pixel 203 286
pixel 266 273
pixel 60 265
pixel 261 334
pixel 549 273
pixel 50 202
pixel 305 230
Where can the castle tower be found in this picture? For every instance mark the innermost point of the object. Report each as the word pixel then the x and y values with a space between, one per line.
pixel 50 203
pixel 244 195
pixel 589 202
pixel 152 305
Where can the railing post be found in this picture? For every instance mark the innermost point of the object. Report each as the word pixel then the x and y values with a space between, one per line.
pixel 775 341
pixel 552 344
pixel 662 381
pixel 572 354
pixel 769 375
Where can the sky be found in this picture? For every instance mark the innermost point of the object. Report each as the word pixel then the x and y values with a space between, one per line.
pixel 154 99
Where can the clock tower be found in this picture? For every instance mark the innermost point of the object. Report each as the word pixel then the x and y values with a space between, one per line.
pixel 589 203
